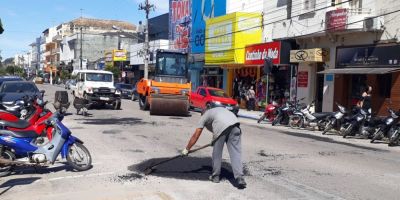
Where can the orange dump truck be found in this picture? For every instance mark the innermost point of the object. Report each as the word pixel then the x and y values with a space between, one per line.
pixel 167 92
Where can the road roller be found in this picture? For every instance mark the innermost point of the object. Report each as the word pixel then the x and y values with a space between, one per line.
pixel 167 90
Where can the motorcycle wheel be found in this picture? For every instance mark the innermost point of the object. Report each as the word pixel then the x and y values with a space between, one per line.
pixel 377 135
pixel 295 121
pixel 347 131
pixel 78 157
pixel 394 139
pixel 276 120
pixel 328 127
pixel 6 170
pixel 261 118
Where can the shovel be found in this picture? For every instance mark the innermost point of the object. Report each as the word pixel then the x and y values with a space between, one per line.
pixel 150 169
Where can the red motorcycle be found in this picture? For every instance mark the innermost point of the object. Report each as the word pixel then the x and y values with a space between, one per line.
pixel 270 112
pixel 33 125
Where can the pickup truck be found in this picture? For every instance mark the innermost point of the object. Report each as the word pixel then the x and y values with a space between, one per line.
pixel 208 97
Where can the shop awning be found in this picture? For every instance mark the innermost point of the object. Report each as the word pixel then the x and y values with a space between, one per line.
pixel 360 71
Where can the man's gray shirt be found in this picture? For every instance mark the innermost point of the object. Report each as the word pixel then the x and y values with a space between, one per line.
pixel 217 120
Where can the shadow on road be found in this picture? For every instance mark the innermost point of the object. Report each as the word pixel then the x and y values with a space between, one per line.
pixel 187 168
pixel 17 182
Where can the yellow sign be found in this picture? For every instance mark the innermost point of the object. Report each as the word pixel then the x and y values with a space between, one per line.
pixel 227 36
pixel 119 55
pixel 309 55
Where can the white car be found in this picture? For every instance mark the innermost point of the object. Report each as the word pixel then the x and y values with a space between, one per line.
pixel 97 87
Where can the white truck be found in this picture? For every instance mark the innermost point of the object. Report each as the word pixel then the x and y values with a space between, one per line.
pixel 97 87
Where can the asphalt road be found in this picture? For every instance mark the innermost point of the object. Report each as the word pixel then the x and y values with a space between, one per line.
pixel 279 163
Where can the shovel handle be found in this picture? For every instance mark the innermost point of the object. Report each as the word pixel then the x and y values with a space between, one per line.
pixel 178 156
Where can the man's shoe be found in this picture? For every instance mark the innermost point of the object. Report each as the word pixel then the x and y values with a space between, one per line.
pixel 241 183
pixel 214 179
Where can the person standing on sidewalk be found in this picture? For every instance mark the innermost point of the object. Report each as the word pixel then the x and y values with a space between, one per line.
pixel 251 98
pixel 225 127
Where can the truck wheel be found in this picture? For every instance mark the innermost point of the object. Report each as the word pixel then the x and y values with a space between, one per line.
pixel 143 103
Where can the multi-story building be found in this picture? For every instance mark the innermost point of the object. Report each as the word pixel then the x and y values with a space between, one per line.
pixel 340 47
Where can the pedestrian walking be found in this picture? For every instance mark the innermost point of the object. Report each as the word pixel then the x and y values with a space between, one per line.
pixel 225 128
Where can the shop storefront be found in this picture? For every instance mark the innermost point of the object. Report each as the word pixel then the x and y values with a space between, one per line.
pixel 227 37
pixel 310 83
pixel 253 74
pixel 360 66
pixel 119 59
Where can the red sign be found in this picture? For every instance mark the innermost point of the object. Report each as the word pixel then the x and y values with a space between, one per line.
pixel 302 79
pixel 336 20
pixel 255 54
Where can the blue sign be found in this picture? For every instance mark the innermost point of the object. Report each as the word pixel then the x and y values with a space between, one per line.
pixel 201 11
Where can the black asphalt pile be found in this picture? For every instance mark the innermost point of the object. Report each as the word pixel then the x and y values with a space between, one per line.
pixel 187 168
pixel 114 121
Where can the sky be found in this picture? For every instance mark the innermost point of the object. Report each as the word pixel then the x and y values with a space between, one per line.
pixel 25 20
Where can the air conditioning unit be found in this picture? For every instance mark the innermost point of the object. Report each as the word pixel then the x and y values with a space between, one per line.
pixel 373 23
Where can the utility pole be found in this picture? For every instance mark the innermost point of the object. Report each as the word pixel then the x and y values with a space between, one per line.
pixel 81 40
pixel 147 7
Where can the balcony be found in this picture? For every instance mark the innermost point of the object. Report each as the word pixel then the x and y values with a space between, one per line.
pixel 55 51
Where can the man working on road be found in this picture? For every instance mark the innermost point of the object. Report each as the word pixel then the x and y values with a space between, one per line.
pixel 225 128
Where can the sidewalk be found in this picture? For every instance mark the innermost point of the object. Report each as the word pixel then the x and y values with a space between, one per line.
pixel 249 114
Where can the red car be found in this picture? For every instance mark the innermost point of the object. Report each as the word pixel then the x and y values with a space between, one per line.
pixel 212 97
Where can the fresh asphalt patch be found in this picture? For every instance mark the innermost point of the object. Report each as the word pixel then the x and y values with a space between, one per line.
pixel 113 131
pixel 186 168
pixel 114 121
pixel 274 157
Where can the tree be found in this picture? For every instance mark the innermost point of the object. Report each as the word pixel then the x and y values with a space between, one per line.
pixel 114 70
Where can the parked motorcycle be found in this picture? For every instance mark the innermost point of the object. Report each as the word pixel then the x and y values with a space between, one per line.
pixel 394 133
pixel 285 111
pixel 353 124
pixel 335 119
pixel 383 128
pixel 18 146
pixel 304 118
pixel 269 112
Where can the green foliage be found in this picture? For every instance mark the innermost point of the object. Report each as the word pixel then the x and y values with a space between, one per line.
pixel 114 70
pixel 64 75
pixel 15 70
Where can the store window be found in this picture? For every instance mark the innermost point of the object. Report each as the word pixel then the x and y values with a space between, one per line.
pixel 385 85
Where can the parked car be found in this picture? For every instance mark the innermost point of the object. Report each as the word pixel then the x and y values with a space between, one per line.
pixel 70 84
pixel 126 90
pixel 135 95
pixel 205 97
pixel 13 91
pixel 10 78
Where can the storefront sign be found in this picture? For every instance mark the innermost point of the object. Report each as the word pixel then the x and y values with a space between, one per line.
pixel 119 55
pixel 368 56
pixel 278 51
pixel 336 20
pixel 227 36
pixel 302 79
pixel 309 55
pixel 179 19
pixel 201 11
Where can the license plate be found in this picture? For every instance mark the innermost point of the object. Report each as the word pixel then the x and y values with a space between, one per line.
pixel 104 98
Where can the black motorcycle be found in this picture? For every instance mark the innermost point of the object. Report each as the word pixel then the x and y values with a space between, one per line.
pixel 353 124
pixel 394 133
pixel 383 128
pixel 285 111
pixel 335 119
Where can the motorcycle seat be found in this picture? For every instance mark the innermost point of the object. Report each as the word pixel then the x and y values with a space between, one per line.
pixel 322 114
pixel 21 124
pixel 19 134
